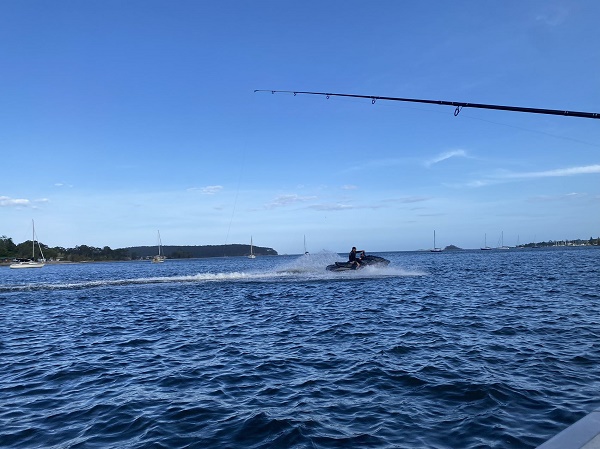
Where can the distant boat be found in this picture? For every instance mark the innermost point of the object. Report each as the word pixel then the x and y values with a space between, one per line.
pixel 502 242
pixel 485 247
pixel 518 245
pixel 435 249
pixel 306 253
pixel 30 263
pixel 251 256
pixel 159 258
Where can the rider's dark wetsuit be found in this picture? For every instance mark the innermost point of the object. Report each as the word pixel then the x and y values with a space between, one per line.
pixel 352 258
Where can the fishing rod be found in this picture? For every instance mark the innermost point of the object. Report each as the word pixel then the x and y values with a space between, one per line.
pixel 458 104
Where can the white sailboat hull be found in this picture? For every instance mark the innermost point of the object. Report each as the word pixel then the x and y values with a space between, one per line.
pixel 159 258
pixel 435 249
pixel 30 264
pixel 502 242
pixel 485 247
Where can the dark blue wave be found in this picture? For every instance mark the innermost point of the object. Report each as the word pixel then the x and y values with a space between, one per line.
pixel 444 351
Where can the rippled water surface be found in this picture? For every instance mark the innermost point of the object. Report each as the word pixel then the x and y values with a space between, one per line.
pixel 465 349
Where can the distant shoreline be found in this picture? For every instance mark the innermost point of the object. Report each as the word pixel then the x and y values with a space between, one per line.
pixel 69 262
pixel 422 250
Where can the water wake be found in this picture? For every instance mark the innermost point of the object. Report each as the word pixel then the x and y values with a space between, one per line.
pixel 307 267
pixel 201 277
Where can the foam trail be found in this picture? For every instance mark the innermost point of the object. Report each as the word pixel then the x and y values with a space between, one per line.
pixel 201 277
pixel 309 263
pixel 305 267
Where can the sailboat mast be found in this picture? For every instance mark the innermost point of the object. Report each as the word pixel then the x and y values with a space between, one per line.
pixel 33 243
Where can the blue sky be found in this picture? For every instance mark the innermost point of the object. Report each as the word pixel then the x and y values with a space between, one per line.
pixel 121 118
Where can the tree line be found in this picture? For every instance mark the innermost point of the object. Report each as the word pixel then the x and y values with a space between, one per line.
pixel 9 250
pixel 187 252
pixel 577 242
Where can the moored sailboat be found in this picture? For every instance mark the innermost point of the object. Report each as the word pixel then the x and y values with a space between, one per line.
pixel 159 258
pixel 502 242
pixel 435 249
pixel 31 263
pixel 485 247
pixel 252 255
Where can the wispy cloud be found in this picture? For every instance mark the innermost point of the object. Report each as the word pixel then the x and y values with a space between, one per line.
pixel 571 171
pixel 408 199
pixel 286 200
pixel 375 164
pixel 349 187
pixel 343 206
pixel 331 207
pixel 506 176
pixel 436 214
pixel 567 197
pixel 6 201
pixel 207 190
pixel 475 184
pixel 553 15
pixel 444 156
pixel 62 184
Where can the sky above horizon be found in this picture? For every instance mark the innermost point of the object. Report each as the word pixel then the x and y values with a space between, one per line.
pixel 121 118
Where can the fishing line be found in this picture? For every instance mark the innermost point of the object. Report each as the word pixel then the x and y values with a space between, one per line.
pixel 521 128
pixel 535 131
pixel 237 193
pixel 239 183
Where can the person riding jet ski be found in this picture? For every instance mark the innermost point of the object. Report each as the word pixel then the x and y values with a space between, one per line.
pixel 352 257
pixel 357 259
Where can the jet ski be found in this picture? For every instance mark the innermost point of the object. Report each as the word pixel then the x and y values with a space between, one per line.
pixel 365 261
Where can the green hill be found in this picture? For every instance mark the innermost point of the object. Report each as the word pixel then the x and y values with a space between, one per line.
pixel 188 252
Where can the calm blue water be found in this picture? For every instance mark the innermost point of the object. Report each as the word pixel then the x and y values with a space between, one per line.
pixel 465 349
